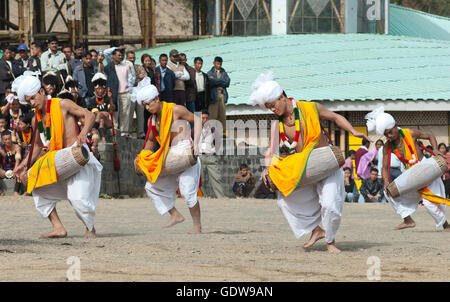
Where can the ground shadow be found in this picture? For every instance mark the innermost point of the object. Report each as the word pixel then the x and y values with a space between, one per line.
pixel 111 235
pixel 347 246
pixel 230 232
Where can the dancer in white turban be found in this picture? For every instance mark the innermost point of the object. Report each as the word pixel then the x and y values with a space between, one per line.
pixel 306 206
pixel 405 145
pixel 169 128
pixel 81 189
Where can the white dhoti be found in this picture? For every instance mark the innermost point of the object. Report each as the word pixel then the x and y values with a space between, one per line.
pixel 406 204
pixel 81 189
pixel 163 192
pixel 309 205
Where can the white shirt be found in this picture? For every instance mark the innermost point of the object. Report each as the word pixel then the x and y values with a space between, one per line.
pixel 207 141
pixel 9 63
pixel 200 81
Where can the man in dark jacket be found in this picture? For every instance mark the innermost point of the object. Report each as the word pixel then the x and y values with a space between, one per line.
pixel 165 80
pixel 218 83
pixel 372 188
pixel 6 72
pixel 189 84
pixel 83 74
pixel 201 86
pixel 34 63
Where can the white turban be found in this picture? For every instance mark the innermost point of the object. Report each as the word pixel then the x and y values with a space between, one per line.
pixel 380 121
pixel 26 85
pixel 144 92
pixel 265 90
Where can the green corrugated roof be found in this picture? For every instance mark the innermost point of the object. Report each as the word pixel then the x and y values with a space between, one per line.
pixel 409 22
pixel 329 66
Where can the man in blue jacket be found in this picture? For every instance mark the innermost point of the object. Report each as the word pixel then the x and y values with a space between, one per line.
pixel 218 83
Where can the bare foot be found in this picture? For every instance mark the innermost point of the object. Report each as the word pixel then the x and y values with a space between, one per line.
pixel 446 227
pixel 174 219
pixel 90 234
pixel 332 249
pixel 316 235
pixel 55 233
pixel 196 230
pixel 408 222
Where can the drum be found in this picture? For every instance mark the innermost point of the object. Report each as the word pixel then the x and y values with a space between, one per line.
pixel 179 158
pixel 69 161
pixel 418 176
pixel 322 163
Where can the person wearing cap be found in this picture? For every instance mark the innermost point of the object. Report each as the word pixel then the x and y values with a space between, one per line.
pixel 181 76
pixel 53 59
pixel 22 63
pixel 77 59
pixel 219 81
pixel 34 63
pixel 405 145
pixel 6 72
pixel 162 189
pixel 81 189
pixel 101 104
pixel 305 207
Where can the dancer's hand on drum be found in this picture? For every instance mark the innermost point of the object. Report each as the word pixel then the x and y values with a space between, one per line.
pixel 438 153
pixel 264 179
pixel 137 169
pixel 81 139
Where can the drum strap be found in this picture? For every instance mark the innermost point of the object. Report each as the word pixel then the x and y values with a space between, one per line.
pixel 33 140
pixel 326 134
pixel 150 128
pixel 389 159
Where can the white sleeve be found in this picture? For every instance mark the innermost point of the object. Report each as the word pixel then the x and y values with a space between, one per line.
pixel 185 76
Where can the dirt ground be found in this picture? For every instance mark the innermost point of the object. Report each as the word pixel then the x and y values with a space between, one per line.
pixel 242 240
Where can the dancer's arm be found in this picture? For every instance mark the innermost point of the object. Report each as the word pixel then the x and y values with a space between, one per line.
pixel 340 121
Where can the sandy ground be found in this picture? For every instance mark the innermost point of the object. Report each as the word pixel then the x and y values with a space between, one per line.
pixel 243 240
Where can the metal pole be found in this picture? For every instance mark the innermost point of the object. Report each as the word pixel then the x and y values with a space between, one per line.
pixel 217 18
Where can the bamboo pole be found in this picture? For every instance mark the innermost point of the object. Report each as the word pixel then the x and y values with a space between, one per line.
pixel 341 22
pixel 266 9
pixel 152 24
pixel 293 12
pixel 21 21
pixel 224 25
pixel 223 15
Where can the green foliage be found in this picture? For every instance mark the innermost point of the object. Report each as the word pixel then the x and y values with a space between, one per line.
pixel 436 7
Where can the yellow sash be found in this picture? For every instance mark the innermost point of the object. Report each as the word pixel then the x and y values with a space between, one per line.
pixel 150 162
pixel 286 173
pixel 425 192
pixel 43 172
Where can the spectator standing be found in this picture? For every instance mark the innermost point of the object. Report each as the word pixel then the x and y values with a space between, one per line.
pixel 372 188
pixel 349 162
pixel 83 75
pixel 34 63
pixel 146 61
pixel 68 56
pixel 209 160
pixel 351 190
pixel 181 75
pixel 244 182
pixel 366 162
pixel 6 72
pixel 363 149
pixel 446 177
pixel 201 86
pixel 190 84
pixel 53 59
pixel 77 59
pixel 219 81
pixel 165 80
pixel 120 79
pixel 135 107
pixel 153 65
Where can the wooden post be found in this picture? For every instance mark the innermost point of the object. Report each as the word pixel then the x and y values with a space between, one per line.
pixel 146 23
pixel 342 137
pixel 85 22
pixel 332 132
pixel 20 13
pixel 223 16
pixel 195 23
pixel 338 15
pixel 119 17
pixel 224 24
pixel 152 24
pixel 266 9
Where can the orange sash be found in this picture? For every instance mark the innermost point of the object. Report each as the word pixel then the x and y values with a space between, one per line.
pixel 286 173
pixel 43 172
pixel 150 162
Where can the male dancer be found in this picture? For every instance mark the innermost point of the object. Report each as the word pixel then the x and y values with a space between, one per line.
pixel 403 143
pixel 305 206
pixel 81 189
pixel 168 127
